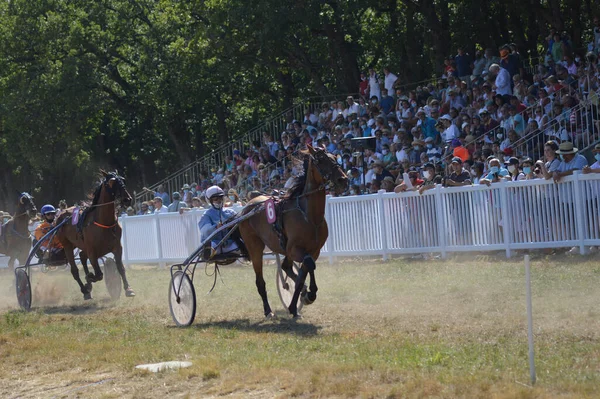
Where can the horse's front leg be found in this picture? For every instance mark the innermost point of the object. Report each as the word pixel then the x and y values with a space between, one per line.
pixel 86 272
pixel 118 252
pixel 86 289
pixel 310 296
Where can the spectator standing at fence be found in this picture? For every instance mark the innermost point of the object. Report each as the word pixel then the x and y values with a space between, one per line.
pixel 159 207
pixel 528 171
pixel 570 161
pixel 144 209
pixel 459 176
pixel 428 178
pixel 495 174
pixel 476 171
pixel 514 173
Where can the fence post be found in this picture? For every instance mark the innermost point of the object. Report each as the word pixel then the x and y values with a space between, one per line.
pixel 441 219
pixel 123 235
pixel 332 228
pixel 579 205
pixel 505 215
pixel 161 263
pixel 382 224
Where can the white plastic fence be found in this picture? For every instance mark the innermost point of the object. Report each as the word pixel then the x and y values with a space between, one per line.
pixel 506 216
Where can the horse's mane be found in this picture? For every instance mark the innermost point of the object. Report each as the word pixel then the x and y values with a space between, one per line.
pixel 298 181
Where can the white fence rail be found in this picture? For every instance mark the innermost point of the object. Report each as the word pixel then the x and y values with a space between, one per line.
pixel 506 216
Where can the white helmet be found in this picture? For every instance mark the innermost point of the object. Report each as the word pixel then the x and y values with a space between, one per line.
pixel 214 191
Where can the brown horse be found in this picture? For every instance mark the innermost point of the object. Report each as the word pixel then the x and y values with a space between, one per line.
pixel 15 240
pixel 303 226
pixel 100 234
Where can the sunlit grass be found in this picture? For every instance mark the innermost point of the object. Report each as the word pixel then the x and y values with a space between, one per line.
pixel 396 329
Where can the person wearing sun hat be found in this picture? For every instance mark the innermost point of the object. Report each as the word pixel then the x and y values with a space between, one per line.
pixel 570 161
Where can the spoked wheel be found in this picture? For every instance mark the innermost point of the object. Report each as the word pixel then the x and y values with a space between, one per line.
pixel 286 285
pixel 112 279
pixel 182 299
pixel 23 286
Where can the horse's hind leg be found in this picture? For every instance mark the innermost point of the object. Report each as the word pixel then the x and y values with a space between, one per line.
pixel 255 248
pixel 98 276
pixel 86 290
pixel 288 267
pixel 121 268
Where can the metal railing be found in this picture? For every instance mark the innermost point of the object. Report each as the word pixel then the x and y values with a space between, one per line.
pixel 216 158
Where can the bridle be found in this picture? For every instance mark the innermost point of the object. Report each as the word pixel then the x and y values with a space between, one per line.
pixel 110 189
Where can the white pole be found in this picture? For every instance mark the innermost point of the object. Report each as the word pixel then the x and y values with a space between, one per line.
pixel 529 321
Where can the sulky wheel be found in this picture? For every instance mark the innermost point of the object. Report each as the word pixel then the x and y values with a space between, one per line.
pixel 23 286
pixel 286 285
pixel 182 299
pixel 112 279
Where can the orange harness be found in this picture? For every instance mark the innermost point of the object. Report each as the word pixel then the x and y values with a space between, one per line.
pixel 105 227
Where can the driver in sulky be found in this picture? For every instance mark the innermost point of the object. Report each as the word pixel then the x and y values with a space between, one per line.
pixel 214 218
pixel 51 247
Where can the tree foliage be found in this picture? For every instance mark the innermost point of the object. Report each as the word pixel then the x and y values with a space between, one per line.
pixel 146 86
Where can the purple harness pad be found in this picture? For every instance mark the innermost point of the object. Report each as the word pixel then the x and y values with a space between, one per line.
pixel 75 217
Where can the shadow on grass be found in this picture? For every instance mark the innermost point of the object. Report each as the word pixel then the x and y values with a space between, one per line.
pixel 87 308
pixel 279 325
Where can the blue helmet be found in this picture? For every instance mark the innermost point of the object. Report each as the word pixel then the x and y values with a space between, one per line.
pixel 47 209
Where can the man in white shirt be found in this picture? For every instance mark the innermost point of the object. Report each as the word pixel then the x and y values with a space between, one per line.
pixel 502 83
pixel 390 79
pixel 374 89
pixel 451 130
pixel 158 206
pixel 353 106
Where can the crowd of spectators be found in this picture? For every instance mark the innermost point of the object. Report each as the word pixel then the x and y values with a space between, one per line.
pixel 468 127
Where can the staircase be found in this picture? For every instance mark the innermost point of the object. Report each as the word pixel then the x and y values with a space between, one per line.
pixel 274 125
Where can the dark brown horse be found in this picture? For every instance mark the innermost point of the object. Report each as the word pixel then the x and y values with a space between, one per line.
pixel 303 225
pixel 15 241
pixel 100 233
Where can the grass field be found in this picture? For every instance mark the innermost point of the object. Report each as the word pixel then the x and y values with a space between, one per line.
pixel 444 329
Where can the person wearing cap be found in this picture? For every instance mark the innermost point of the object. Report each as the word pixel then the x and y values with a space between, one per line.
pixel 450 129
pixel 177 203
pixel 459 176
pixel 570 161
pixel 514 174
pixel 434 153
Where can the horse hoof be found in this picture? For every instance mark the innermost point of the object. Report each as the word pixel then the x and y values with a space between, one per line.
pixel 129 293
pixel 270 315
pixel 297 316
pixel 87 296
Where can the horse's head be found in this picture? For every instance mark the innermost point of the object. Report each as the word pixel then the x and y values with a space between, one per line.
pixel 115 186
pixel 26 206
pixel 329 169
